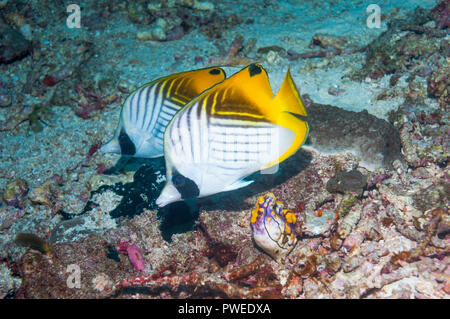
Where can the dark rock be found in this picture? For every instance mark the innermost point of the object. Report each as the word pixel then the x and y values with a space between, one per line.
pixel 333 129
pixel 353 181
pixel 13 46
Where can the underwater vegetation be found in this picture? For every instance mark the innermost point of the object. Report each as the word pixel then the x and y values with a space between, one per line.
pixel 359 210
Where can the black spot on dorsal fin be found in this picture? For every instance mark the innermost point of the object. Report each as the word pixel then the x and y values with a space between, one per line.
pixel 127 146
pixel 214 71
pixel 254 69
pixel 185 186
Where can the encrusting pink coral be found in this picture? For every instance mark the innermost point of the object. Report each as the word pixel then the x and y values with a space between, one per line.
pixel 133 252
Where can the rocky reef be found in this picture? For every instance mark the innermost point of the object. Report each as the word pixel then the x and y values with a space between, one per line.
pixel 335 130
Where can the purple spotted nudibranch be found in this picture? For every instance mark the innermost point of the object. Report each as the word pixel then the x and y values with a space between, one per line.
pixel 273 227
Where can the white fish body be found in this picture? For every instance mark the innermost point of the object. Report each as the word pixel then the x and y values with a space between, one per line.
pixel 208 151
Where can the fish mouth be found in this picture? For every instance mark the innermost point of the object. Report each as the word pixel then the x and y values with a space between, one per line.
pixel 168 195
pixel 160 202
pixel 111 147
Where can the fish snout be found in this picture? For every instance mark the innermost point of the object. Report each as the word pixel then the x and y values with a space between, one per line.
pixel 111 147
pixel 168 195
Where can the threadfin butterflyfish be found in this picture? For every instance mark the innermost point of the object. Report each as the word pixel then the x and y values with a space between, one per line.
pixel 147 111
pixel 229 132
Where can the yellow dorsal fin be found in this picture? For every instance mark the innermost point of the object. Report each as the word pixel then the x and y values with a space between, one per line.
pixel 254 83
pixel 205 78
pixel 288 97
pixel 183 87
pixel 243 96
pixel 251 84
pixel 191 83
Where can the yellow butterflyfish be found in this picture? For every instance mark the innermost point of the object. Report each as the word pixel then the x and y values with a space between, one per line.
pixel 147 111
pixel 229 132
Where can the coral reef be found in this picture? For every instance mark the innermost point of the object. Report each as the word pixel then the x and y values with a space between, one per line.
pixel 397 49
pixel 369 192
pixel 369 249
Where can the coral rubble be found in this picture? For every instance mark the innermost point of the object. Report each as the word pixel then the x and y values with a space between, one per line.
pixel 361 211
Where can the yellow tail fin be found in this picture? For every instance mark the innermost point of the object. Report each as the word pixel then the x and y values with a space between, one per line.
pixel 288 98
pixel 286 103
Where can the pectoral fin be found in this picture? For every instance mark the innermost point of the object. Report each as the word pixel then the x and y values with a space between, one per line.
pixel 237 185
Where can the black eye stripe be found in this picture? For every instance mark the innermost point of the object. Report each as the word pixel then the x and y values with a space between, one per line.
pixel 185 186
pixel 127 146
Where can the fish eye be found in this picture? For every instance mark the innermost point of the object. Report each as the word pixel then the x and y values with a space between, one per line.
pixel 214 71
